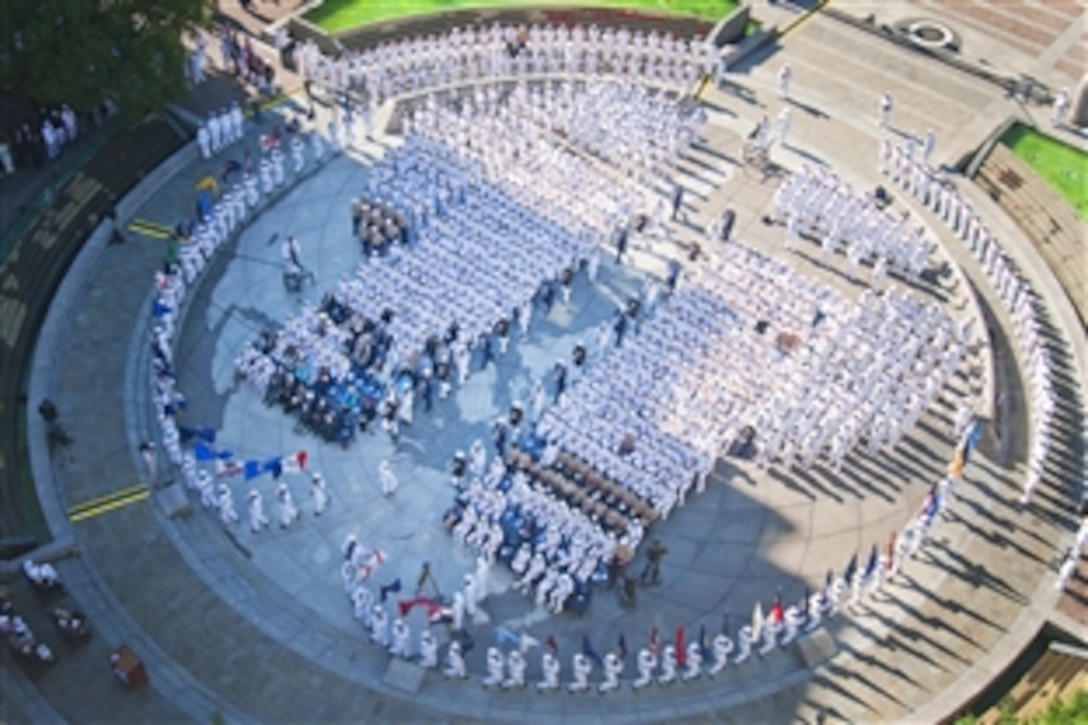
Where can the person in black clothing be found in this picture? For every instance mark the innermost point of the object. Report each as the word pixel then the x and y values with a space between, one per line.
pixel 621 244
pixel 560 373
pixel 578 356
pixel 620 326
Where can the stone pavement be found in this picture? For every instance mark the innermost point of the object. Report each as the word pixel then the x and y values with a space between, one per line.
pixel 256 627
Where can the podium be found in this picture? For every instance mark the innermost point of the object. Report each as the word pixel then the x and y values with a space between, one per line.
pixel 128 668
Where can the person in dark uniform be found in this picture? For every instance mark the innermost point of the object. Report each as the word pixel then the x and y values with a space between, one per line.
pixel 620 326
pixel 425 388
pixel 578 357
pixel 621 243
pixel 677 200
pixel 560 373
pixel 498 434
pixel 652 573
pixel 442 372
pixel 502 334
pixel 729 217
pixel 674 275
pixel 566 279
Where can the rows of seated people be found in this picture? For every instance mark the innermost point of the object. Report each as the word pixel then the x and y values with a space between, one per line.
pixel 415 65
pixel 480 253
pixel 641 131
pixel 379 225
pixel 479 259
pixel 532 164
pixel 324 367
pixel 520 513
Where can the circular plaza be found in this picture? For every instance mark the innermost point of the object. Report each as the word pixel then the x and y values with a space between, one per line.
pixel 570 368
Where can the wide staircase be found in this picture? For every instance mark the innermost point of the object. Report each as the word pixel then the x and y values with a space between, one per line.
pixel 29 277
pixel 1049 222
pixel 1059 673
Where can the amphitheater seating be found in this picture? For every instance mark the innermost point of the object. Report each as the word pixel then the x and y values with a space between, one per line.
pixel 34 269
pixel 1057 674
pixel 1045 217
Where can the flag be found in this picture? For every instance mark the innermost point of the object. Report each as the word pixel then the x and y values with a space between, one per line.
pixel 405 606
pixel 588 651
pixel 825 593
pixel 467 642
pixel 851 568
pixel 392 588
pixel 205 452
pixel 655 641
pixel 776 613
pixel 295 463
pixel 681 650
pixel 929 508
pixel 528 641
pixel 159 309
pixel 200 432
pixel 502 634
pixel 274 466
pixel 871 564
pixel 973 438
pixel 704 648
pixel 621 648
pixel 757 621
pixel 889 551
pixel 552 645
pixel 959 460
pixel 251 469
pixel 803 606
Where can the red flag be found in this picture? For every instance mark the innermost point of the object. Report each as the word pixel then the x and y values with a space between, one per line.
pixel 889 551
pixel 655 641
pixel 302 456
pixel 681 651
pixel 777 615
pixel 551 644
pixel 407 605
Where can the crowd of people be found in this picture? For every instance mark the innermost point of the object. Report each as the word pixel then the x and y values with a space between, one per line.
pixel 35 143
pixel 466 55
pixel 744 356
pixel 819 205
pixel 912 172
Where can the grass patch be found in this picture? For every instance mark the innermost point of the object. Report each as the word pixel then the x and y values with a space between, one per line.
pixel 1064 167
pixel 335 16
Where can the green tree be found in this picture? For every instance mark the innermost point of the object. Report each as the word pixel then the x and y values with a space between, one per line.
pixel 78 51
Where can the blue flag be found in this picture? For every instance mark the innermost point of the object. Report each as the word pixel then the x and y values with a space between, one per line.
pixel 467 642
pixel 704 648
pixel 391 588
pixel 274 466
pixel 158 309
pixel 621 648
pixel 871 564
pixel 588 651
pixel 251 469
pixel 848 572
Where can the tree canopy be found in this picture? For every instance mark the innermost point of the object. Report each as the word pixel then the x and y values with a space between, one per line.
pixel 79 51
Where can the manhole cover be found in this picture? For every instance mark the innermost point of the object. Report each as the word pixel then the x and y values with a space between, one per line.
pixel 930 34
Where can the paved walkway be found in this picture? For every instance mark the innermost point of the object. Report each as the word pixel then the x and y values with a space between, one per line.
pixel 207 612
